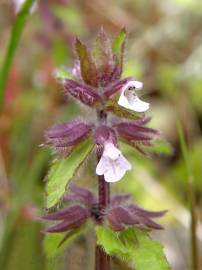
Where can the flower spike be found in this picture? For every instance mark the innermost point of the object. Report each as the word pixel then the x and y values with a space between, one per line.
pixel 96 81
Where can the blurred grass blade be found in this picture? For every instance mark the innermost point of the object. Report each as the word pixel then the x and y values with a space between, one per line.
pixel 184 148
pixel 192 198
pixel 14 39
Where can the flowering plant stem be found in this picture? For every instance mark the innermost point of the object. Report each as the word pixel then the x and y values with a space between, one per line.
pixel 98 79
pixel 102 260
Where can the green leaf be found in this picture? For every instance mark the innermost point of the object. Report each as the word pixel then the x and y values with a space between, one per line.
pixel 13 43
pixel 52 246
pixel 113 107
pixel 133 245
pixel 118 46
pixel 63 170
pixel 88 67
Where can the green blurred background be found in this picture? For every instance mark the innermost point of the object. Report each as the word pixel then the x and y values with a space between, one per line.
pixel 164 50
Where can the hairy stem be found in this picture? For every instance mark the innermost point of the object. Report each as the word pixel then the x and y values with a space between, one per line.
pixel 102 261
pixel 192 200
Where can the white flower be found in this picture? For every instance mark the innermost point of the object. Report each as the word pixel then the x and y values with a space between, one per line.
pixel 130 100
pixel 113 165
pixel 19 3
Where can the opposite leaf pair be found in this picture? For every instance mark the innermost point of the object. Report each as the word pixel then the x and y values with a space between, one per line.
pixel 119 214
pixel 64 137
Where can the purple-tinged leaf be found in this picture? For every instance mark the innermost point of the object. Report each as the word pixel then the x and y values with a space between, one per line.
pixel 87 66
pixel 134 136
pixel 68 134
pixel 71 140
pixel 81 195
pixel 120 199
pixel 82 92
pixel 153 214
pixel 69 224
pixel 103 58
pixel 124 216
pixel 134 127
pixel 144 216
pixel 66 129
pixel 115 87
pixel 84 193
pixel 145 221
pixel 61 129
pixel 142 120
pixel 134 131
pixel 66 213
pixel 116 72
pixel 105 44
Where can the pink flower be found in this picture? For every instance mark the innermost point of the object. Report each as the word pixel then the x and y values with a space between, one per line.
pixel 113 165
pixel 130 100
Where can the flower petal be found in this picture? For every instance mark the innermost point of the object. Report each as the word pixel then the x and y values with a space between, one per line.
pixel 101 166
pixel 125 164
pixel 114 174
pixel 112 164
pixel 139 106
pixel 116 169
pixel 129 99
pixel 111 151
pixel 133 84
pixel 133 103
